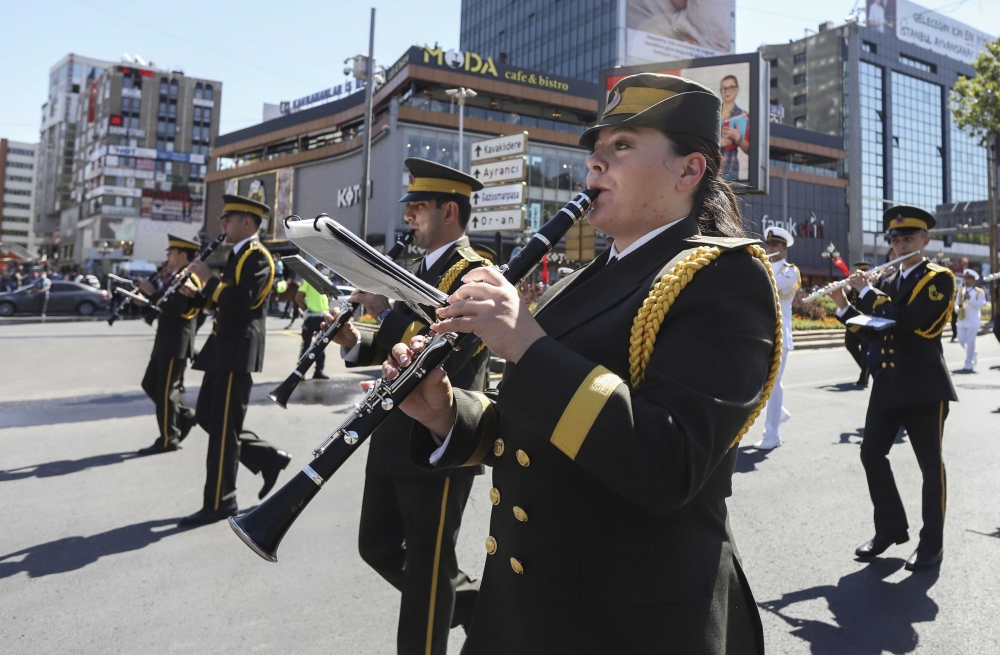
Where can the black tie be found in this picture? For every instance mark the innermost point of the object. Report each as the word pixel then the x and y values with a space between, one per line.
pixel 423 268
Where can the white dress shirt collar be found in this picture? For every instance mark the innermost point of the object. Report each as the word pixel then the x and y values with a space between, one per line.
pixel 239 246
pixel 431 258
pixel 641 241
pixel 905 272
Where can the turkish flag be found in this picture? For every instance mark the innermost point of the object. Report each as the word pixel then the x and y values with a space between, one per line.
pixel 839 263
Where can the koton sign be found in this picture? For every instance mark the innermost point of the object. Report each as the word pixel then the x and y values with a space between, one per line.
pixel 504 220
pixel 503 146
pixel 498 196
pixel 510 170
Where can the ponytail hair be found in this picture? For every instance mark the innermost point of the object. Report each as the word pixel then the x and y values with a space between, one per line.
pixel 715 204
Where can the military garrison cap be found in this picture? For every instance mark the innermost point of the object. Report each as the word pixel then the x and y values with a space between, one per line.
pixel 238 204
pixel 665 102
pixel 903 219
pixel 429 180
pixel 180 243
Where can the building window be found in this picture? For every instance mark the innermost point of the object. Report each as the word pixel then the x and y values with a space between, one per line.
pixel 867 46
pixel 173 89
pixel 800 121
pixel 19 178
pixel 209 92
pixel 917 143
pixel 800 100
pixel 199 91
pixel 800 58
pixel 916 63
pixel 17 192
pixel 16 205
pixel 18 164
pixel 800 78
pixel 21 151
pixel 872 146
pixel 774 82
pixel 968 167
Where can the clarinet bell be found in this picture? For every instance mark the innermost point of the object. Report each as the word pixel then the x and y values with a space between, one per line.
pixel 283 391
pixel 263 527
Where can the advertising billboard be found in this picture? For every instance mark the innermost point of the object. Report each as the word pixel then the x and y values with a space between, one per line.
pixel 663 30
pixel 928 29
pixel 740 80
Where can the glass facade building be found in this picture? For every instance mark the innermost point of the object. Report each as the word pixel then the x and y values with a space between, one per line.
pixel 872 146
pixel 917 145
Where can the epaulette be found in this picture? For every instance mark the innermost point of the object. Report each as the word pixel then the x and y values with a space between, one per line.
pixel 937 268
pixel 470 255
pixel 724 243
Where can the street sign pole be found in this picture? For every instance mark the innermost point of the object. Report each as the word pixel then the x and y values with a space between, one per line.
pixel 367 155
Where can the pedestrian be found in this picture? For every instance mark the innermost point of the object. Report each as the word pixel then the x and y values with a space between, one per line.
pixel 234 350
pixel 410 517
pixel 44 285
pixel 787 280
pixel 854 339
pixel 612 435
pixel 969 302
pixel 911 388
pixel 316 305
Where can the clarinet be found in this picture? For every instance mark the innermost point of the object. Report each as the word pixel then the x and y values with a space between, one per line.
pixel 182 277
pixel 116 313
pixel 283 392
pixel 263 528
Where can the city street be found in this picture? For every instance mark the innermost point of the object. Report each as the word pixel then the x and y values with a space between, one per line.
pixel 91 560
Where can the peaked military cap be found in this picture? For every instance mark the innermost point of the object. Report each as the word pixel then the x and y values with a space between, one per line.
pixel 779 234
pixel 862 266
pixel 665 102
pixel 181 243
pixel 239 204
pixel 970 273
pixel 903 219
pixel 429 180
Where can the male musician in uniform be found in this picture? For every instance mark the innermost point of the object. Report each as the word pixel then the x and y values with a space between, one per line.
pixel 410 518
pixel 316 305
pixel 173 347
pixel 234 350
pixel 912 386
pixel 777 241
pixel 854 339
pixel 969 301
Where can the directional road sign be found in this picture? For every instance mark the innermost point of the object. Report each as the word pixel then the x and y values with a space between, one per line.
pixel 498 196
pixel 508 170
pixel 502 146
pixel 503 220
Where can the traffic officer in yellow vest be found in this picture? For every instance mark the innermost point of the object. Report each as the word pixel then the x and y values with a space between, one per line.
pixel 176 325
pixel 234 350
pixel 969 302
pixel 912 386
pixel 316 306
pixel 777 241
pixel 410 518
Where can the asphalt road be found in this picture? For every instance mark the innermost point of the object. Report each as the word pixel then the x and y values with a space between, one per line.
pixel 91 560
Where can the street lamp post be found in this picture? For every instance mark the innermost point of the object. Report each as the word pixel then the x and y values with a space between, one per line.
pixel 461 93
pixel 829 254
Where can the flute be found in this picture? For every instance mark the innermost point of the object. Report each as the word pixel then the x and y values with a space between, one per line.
pixel 843 283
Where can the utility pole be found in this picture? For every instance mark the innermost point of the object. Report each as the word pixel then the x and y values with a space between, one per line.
pixel 367 152
pixel 991 157
pixel 461 93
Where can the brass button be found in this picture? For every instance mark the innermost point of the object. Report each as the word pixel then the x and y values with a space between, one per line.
pixel 884 365
pixel 495 496
pixel 498 447
pixel 892 352
pixel 522 458
pixel 491 545
pixel 883 351
pixel 520 514
pixel 892 364
pixel 514 564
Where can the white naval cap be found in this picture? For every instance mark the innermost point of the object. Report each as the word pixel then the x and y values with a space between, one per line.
pixel 971 273
pixel 779 234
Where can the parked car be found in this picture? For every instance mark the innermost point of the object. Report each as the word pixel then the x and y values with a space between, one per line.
pixel 64 298
pixel 344 292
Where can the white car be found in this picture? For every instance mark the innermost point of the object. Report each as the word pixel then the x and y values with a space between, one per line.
pixel 344 292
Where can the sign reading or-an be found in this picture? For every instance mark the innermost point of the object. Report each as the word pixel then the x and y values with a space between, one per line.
pixel 498 196
pixel 502 146
pixel 511 170
pixel 504 220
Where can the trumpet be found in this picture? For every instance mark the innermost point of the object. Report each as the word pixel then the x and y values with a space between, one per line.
pixel 283 392
pixel 263 528
pixel 843 283
pixel 181 278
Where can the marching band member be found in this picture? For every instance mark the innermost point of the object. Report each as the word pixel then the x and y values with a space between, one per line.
pixel 612 439
pixel 912 386
pixel 969 301
pixel 788 280
pixel 854 339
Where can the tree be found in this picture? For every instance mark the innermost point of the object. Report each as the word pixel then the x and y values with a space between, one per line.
pixel 976 109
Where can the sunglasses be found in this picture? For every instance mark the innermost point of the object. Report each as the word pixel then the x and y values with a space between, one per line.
pixel 730 88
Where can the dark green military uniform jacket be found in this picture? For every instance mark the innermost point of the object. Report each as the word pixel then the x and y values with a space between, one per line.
pixel 910 368
pixel 610 531
pixel 176 324
pixel 239 298
pixel 389 453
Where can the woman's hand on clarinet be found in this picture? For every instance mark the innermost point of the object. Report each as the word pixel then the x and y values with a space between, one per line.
pixel 490 307
pixel 432 402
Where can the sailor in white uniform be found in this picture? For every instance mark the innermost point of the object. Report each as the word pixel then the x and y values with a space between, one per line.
pixel 777 241
pixel 968 303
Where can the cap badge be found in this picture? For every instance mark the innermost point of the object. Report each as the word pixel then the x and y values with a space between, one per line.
pixel 613 102
pixel 899 218
pixel 412 180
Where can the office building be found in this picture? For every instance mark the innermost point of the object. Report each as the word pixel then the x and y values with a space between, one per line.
pixel 18 170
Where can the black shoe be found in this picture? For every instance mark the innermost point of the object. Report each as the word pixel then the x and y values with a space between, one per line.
pixel 158 448
pixel 270 473
pixel 879 544
pixel 206 515
pixel 920 560
pixel 185 424
pixel 318 375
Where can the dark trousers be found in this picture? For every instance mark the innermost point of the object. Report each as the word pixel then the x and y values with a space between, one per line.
pixel 162 383
pixel 409 528
pixel 858 348
pixel 310 326
pixel 925 426
pixel 222 404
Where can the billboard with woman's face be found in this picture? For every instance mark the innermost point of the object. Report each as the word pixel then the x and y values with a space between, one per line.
pixel 737 80
pixel 659 30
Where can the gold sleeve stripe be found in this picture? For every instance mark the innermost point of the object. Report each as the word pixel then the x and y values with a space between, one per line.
pixel 881 300
pixel 583 409
pixel 218 289
pixel 489 421
pixel 412 330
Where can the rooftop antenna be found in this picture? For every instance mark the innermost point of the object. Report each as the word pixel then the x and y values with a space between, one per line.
pixel 127 57
pixel 142 62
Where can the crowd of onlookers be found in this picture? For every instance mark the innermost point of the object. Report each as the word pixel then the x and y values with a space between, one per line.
pixel 18 278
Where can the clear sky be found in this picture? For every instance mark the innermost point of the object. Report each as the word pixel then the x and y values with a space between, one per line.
pixel 272 51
